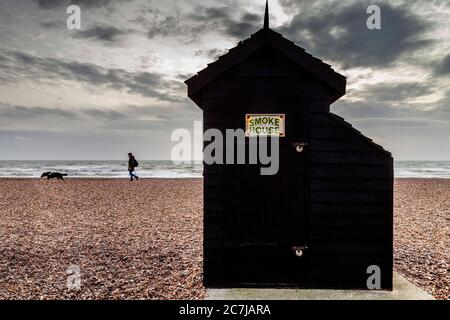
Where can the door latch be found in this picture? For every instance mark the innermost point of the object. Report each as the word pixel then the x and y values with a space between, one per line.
pixel 300 146
pixel 299 250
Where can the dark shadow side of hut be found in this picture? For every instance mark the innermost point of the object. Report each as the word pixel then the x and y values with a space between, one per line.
pixel 336 199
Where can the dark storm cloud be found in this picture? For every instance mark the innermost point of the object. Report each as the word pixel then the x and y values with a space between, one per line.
pixel 339 32
pixel 17 65
pixel 101 33
pixel 443 68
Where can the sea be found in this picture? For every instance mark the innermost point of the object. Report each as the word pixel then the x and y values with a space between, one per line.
pixel 167 169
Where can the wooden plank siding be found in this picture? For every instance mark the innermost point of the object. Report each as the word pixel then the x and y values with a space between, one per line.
pixel 351 205
pixel 349 194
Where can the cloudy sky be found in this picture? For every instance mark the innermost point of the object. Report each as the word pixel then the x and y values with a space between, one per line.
pixel 116 85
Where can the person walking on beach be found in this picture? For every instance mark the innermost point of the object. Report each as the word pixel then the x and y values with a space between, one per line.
pixel 132 163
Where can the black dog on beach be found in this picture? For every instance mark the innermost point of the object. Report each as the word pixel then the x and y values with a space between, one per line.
pixel 50 175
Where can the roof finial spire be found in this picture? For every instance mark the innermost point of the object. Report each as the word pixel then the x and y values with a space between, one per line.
pixel 266 16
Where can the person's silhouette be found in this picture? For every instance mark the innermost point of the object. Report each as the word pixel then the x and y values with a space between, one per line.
pixel 132 163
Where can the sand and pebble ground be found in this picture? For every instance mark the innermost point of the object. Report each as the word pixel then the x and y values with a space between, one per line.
pixel 422 233
pixel 130 240
pixel 144 240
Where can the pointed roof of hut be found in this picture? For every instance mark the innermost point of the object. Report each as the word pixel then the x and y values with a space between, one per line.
pixel 263 37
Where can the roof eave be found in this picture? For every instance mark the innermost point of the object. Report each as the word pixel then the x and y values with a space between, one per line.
pixel 318 68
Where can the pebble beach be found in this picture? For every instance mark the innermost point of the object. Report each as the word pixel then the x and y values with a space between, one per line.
pixel 143 240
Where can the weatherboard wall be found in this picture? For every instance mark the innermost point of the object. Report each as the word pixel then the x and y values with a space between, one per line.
pixel 349 193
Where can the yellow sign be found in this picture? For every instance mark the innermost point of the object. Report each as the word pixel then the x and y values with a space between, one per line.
pixel 264 125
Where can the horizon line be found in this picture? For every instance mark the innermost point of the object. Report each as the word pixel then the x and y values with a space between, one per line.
pixel 125 159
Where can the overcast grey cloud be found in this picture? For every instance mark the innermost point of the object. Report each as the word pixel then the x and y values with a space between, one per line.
pixel 32 112
pixel 223 19
pixel 26 112
pixel 22 65
pixel 169 25
pixel 117 84
pixel 48 4
pixel 106 34
pixel 395 93
pixel 52 24
pixel 383 110
pixel 52 4
pixel 443 68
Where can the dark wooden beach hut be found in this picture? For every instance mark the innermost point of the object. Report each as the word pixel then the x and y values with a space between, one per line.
pixel 326 216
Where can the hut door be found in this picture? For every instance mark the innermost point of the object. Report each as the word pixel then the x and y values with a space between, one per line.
pixel 267 213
